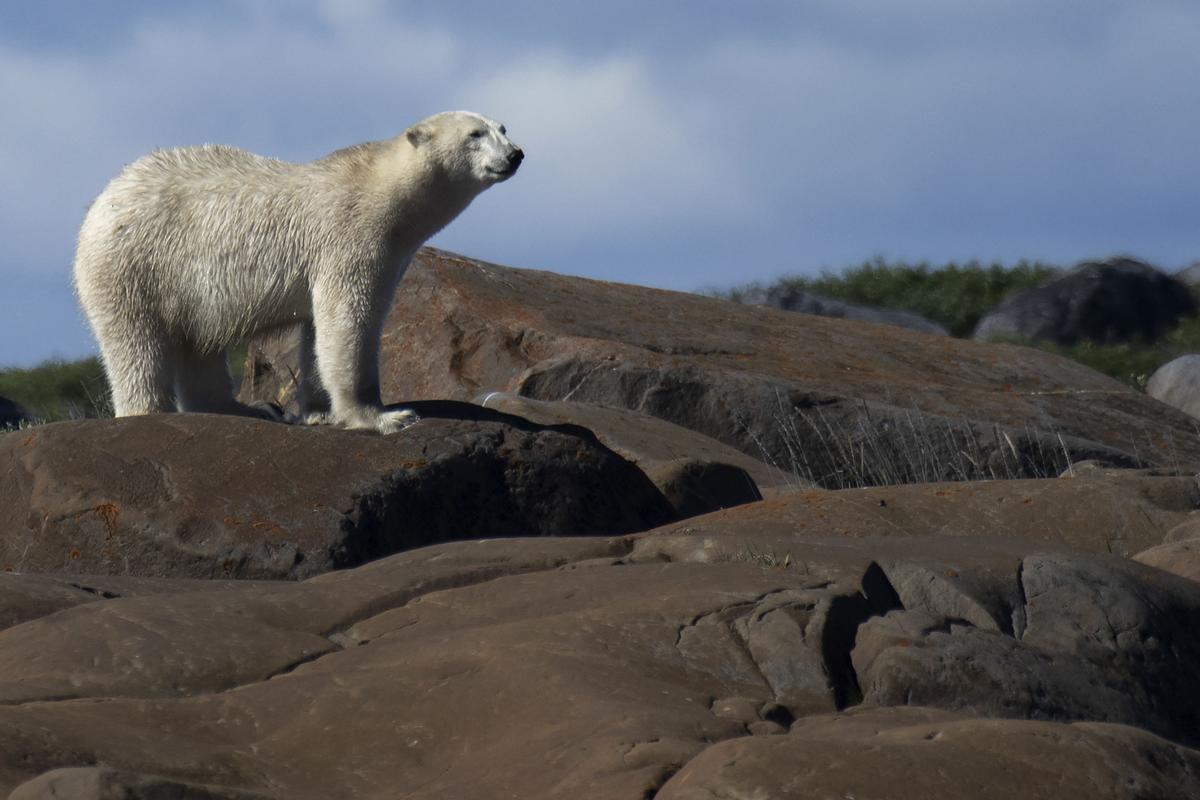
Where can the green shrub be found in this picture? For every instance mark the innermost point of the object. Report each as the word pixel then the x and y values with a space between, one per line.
pixel 1134 362
pixel 953 296
pixel 56 390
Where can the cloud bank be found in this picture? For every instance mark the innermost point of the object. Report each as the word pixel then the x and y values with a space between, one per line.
pixel 669 148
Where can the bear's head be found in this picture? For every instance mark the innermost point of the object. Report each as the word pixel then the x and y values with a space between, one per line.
pixel 469 147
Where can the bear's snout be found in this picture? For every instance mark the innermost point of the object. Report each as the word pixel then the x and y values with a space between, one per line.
pixel 516 157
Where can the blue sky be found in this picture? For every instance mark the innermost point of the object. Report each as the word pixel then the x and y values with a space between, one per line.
pixel 674 144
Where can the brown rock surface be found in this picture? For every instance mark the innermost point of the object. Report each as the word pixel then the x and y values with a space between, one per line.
pixel 914 753
pixel 209 496
pixel 695 473
pixel 567 667
pixel 840 393
pixel 1119 513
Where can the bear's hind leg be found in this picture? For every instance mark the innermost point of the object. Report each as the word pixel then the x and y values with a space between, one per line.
pixel 203 384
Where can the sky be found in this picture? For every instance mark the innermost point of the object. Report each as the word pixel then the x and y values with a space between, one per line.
pixel 676 144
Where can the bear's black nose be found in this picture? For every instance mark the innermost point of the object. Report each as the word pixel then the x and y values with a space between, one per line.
pixel 516 157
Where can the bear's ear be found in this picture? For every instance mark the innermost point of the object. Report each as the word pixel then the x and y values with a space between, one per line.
pixel 418 134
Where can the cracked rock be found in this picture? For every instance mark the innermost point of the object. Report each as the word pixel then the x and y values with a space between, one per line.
pixel 915 754
pixel 143 496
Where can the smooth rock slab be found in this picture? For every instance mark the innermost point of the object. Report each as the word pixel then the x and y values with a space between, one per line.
pixel 189 495
pixel 916 754
pixel 559 672
pixel 1177 383
pixel 801 392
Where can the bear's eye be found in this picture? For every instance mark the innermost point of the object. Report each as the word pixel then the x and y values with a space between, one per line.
pixel 478 134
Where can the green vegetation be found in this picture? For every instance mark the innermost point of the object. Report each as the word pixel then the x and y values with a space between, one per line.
pixel 954 296
pixel 56 390
pixel 1133 362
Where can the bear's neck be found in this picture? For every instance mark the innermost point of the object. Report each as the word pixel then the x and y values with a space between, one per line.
pixel 420 199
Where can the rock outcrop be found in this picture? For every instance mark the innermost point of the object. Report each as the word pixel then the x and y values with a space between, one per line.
pixel 1112 301
pixel 190 495
pixel 512 598
pixel 835 402
pixel 628 665
pixel 11 414
pixel 789 298
pixel 1177 383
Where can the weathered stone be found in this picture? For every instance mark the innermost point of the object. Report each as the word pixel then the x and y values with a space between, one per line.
pixel 789 298
pixel 99 783
pixel 645 440
pixel 914 754
pixel 1180 558
pixel 1122 514
pixel 835 401
pixel 414 678
pixel 1102 301
pixel 212 496
pixel 695 473
pixel 1177 383
pixel 11 414
pixel 1095 640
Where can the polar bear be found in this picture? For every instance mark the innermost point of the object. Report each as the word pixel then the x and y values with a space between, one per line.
pixel 188 251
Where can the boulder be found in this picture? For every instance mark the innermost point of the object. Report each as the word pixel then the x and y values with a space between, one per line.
pixel 1179 553
pixel 409 675
pixel 218 496
pixel 626 658
pixel 1119 514
pixel 11 414
pixel 1118 300
pixel 1190 274
pixel 1092 639
pixel 790 298
pixel 1177 383
pixel 833 401
pixel 916 753
pixel 690 468
pixel 625 671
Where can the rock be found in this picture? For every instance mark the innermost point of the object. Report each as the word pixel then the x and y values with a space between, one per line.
pixel 621 662
pixel 836 402
pixel 11 414
pixel 788 298
pixel 1093 639
pixel 1112 301
pixel 1177 383
pixel 695 487
pixel 1190 274
pixel 1179 558
pixel 1120 514
pixel 687 466
pixel 432 658
pixel 903 753
pixel 99 783
pixel 141 496
pixel 1188 528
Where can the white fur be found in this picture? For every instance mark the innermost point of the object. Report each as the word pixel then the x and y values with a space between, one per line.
pixel 188 251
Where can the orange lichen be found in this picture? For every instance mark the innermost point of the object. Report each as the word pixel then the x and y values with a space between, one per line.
pixel 110 513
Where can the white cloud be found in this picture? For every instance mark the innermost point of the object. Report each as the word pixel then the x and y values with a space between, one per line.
pixel 924 128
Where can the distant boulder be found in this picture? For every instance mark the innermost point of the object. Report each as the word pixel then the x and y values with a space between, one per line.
pixel 11 414
pixel 1190 274
pixel 800 301
pixel 1177 383
pixel 1103 301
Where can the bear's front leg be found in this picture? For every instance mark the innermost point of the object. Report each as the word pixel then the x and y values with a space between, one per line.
pixel 347 330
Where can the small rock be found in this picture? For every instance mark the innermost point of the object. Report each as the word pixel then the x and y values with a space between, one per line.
pixel 1177 383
